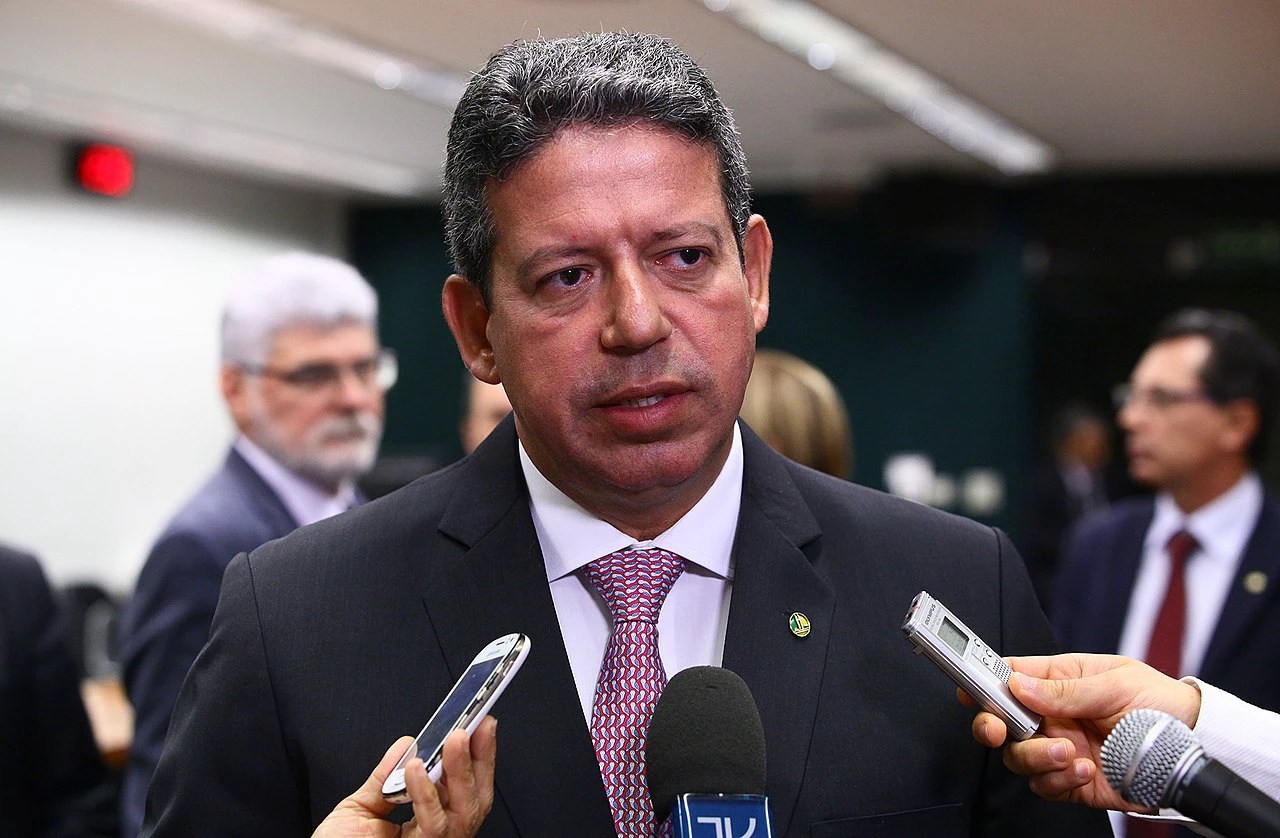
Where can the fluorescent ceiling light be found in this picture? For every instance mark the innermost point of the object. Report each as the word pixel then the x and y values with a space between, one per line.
pixel 829 44
pixel 273 30
pixel 174 134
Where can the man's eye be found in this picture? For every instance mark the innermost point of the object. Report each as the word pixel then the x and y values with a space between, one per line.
pixel 689 256
pixel 312 376
pixel 569 276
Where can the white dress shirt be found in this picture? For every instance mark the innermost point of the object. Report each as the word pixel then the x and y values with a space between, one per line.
pixel 1241 736
pixel 692 622
pixel 306 502
pixel 1222 529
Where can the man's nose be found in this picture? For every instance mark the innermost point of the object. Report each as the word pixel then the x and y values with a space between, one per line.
pixel 636 317
pixel 353 392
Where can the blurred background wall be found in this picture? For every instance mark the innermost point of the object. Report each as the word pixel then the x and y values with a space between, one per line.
pixel 109 334
pixel 956 293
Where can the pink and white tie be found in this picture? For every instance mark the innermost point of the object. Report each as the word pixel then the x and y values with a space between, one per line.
pixel 634 584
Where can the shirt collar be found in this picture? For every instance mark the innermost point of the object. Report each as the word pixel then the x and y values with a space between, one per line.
pixel 1221 527
pixel 306 501
pixel 571 537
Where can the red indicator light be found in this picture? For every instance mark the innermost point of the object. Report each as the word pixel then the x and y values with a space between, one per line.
pixel 105 169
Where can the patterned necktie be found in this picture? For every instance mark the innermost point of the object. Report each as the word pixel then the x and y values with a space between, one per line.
pixel 1165 649
pixel 634 584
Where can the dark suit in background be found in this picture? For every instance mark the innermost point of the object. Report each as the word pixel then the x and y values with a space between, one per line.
pixel 1096 579
pixel 1056 504
pixel 52 781
pixel 167 620
pixel 330 643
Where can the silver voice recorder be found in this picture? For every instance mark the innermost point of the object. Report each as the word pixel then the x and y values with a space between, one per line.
pixel 973 665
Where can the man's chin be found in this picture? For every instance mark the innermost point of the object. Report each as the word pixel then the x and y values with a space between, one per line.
pixel 336 465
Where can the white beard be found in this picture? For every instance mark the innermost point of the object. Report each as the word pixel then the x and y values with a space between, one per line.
pixel 333 451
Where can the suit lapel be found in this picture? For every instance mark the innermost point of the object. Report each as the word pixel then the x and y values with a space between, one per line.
pixel 1114 605
pixel 1242 606
pixel 772 580
pixel 275 515
pixel 547 774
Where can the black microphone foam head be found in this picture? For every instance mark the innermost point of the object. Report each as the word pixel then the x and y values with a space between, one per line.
pixel 705 737
pixel 1145 756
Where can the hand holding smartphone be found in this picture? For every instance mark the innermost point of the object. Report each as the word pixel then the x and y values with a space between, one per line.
pixel 463 708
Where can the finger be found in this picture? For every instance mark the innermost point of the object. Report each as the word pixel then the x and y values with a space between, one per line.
pixel 989 730
pixel 459 775
pixel 1039 755
pixel 484 754
pixel 1037 666
pixel 369 796
pixel 1058 785
pixel 964 698
pixel 429 816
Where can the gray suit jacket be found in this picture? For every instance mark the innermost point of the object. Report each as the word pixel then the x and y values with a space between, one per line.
pixel 330 643
pixel 166 621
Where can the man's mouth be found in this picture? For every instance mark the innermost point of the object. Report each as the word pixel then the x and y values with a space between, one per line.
pixel 642 402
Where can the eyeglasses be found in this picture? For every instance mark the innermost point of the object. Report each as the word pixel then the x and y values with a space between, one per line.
pixel 1159 398
pixel 379 371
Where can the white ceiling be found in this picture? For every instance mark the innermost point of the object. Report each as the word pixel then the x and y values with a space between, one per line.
pixel 1130 85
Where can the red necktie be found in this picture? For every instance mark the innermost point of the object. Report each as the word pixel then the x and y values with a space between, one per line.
pixel 634 584
pixel 1164 652
pixel 1165 649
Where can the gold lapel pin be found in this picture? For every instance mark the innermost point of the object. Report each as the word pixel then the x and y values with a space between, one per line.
pixel 1255 582
pixel 800 625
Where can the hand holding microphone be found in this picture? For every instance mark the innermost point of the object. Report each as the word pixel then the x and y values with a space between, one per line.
pixel 1083 698
pixel 1154 760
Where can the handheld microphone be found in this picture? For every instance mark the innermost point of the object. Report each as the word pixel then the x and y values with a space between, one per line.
pixel 704 758
pixel 1154 760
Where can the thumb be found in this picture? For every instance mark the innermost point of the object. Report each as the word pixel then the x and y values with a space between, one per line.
pixel 369 796
pixel 1091 697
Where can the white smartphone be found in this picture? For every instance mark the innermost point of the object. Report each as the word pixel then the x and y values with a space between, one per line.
pixel 973 665
pixel 465 705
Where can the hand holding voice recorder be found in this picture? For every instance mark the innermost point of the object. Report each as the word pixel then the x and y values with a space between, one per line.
pixel 972 665
pixel 463 708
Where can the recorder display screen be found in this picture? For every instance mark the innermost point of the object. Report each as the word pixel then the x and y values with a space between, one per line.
pixel 953 636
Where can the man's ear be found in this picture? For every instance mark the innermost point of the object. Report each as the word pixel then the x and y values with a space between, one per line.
pixel 468 319
pixel 234 385
pixel 1243 423
pixel 757 255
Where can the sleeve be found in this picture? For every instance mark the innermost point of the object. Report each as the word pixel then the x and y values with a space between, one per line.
pixel 1241 736
pixel 73 790
pixel 1008 807
pixel 166 626
pixel 225 769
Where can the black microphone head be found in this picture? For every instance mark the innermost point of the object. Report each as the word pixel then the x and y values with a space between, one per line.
pixel 705 737
pixel 1146 756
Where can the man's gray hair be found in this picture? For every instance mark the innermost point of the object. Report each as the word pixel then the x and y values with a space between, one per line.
pixel 530 90
pixel 292 289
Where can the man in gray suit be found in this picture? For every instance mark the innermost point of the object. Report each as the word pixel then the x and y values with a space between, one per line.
pixel 303 378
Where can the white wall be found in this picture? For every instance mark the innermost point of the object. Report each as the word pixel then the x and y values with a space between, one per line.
pixel 109 413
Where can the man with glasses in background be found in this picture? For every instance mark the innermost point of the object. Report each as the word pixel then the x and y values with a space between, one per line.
pixel 1188 581
pixel 303 377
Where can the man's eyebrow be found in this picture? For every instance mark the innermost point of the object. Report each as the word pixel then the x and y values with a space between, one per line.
pixel 553 253
pixel 693 228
